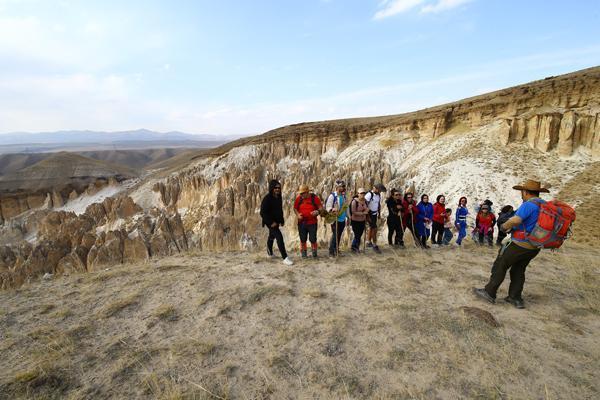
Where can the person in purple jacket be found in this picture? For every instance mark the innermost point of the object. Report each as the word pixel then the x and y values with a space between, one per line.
pixel 424 218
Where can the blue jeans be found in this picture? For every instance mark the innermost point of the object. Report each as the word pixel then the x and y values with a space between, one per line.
pixel 447 236
pixel 462 231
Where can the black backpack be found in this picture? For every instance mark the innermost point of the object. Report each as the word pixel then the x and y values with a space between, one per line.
pixel 350 206
pixel 312 200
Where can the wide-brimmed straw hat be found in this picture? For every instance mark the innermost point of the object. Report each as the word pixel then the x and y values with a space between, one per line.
pixel 303 189
pixel 531 185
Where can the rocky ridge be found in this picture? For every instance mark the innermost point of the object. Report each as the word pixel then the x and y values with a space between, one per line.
pixel 481 146
pixel 107 233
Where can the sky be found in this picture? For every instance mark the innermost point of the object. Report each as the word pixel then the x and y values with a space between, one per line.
pixel 244 67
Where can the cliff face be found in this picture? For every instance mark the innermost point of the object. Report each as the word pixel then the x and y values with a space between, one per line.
pixel 479 147
pixel 555 113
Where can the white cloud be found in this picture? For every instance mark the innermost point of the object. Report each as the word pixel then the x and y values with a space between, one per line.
pixel 120 102
pixel 393 7
pixel 443 5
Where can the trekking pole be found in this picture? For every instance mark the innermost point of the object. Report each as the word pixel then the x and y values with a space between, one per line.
pixel 365 236
pixel 337 237
pixel 412 223
pixel 401 227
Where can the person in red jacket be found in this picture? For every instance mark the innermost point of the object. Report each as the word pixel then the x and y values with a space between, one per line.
pixel 439 216
pixel 484 224
pixel 409 215
pixel 307 207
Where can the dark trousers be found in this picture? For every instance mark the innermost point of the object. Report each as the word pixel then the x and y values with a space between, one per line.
pixel 395 228
pixel 489 235
pixel 336 236
pixel 358 227
pixel 307 232
pixel 437 232
pixel 516 259
pixel 275 234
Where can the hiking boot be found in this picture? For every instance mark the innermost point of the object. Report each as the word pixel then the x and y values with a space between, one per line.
pixel 288 261
pixel 314 254
pixel 304 254
pixel 484 295
pixel 376 249
pixel 515 302
pixel 369 245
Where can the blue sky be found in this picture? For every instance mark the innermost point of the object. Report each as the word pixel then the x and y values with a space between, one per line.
pixel 244 67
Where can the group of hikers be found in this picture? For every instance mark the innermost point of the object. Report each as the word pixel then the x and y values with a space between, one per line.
pixel 423 220
pixel 362 212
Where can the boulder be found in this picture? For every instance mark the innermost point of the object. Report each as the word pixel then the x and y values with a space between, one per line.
pixel 108 250
pixel 73 262
pixel 135 248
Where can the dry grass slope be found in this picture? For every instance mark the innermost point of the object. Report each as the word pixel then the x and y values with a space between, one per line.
pixel 402 325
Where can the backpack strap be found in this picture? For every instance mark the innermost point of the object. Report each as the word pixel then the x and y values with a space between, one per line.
pixel 334 196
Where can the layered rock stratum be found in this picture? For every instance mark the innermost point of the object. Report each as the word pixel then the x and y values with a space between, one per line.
pixel 479 147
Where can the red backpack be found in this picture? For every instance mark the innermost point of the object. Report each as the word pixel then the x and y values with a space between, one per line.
pixel 553 225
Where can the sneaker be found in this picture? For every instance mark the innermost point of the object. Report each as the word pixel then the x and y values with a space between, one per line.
pixel 331 254
pixel 369 245
pixel 515 302
pixel 303 253
pixel 270 254
pixel 484 295
pixel 288 261
pixel 355 250
pixel 314 254
pixel 376 249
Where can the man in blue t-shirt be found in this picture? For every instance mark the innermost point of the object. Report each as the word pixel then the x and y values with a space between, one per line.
pixel 517 254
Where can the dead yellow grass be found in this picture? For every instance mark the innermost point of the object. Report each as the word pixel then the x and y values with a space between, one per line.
pixel 383 327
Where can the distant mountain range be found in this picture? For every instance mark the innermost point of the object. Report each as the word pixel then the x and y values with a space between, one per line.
pixel 88 137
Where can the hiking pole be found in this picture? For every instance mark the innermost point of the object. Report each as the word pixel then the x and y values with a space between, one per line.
pixel 337 237
pixel 401 227
pixel 412 223
pixel 365 236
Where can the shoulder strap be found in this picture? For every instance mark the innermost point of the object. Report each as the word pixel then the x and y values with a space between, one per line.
pixel 537 201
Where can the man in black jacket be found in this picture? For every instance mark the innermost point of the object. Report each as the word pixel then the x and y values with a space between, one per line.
pixel 271 211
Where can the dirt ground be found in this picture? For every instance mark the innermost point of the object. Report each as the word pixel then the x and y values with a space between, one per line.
pixel 241 326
